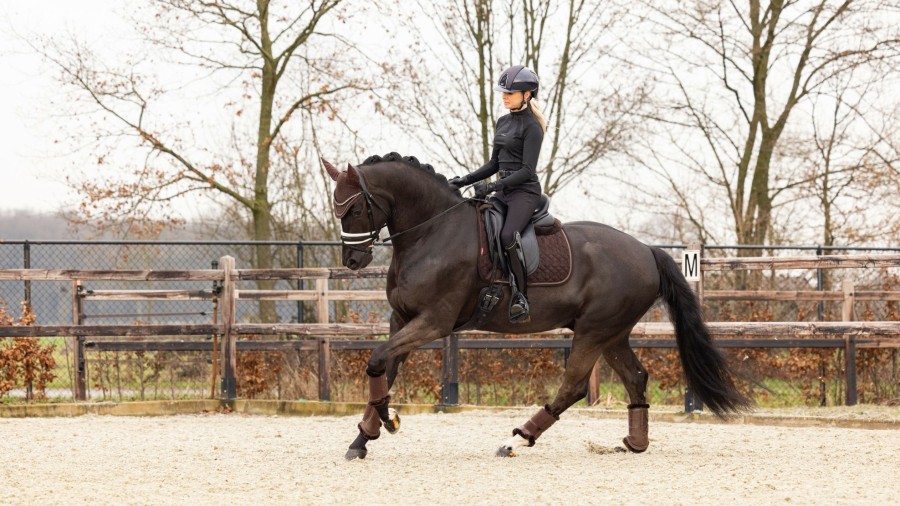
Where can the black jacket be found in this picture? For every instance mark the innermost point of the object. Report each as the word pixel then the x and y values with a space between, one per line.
pixel 517 144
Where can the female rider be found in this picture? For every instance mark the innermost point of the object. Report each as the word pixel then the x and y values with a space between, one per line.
pixel 517 144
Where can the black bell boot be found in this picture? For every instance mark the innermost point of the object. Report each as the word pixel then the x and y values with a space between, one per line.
pixel 518 284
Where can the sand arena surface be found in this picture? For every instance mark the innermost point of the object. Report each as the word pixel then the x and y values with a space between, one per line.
pixel 436 459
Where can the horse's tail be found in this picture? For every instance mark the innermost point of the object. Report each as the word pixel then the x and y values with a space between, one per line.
pixel 705 368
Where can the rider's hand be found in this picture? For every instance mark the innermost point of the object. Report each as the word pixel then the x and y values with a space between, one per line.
pixel 457 183
pixel 482 189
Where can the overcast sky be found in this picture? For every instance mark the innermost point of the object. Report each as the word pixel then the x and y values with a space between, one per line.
pixel 31 173
pixel 33 167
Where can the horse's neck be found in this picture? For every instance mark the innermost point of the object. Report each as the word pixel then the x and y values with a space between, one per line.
pixel 414 201
pixel 415 212
pixel 412 210
pixel 443 235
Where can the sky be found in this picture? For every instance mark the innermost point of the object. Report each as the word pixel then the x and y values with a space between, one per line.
pixel 31 162
pixel 31 172
pixel 33 166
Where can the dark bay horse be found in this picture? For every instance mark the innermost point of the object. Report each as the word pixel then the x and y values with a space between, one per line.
pixel 432 286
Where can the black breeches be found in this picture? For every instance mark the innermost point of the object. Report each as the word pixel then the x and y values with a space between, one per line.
pixel 521 206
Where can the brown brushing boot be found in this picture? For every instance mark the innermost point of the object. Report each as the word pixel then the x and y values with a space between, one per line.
pixel 637 439
pixel 528 432
pixel 370 426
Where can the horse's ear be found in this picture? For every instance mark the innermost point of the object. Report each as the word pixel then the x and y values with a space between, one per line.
pixel 332 170
pixel 352 175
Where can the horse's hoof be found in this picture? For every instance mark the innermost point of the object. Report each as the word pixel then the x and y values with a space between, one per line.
pixel 505 451
pixel 392 425
pixel 634 448
pixel 356 453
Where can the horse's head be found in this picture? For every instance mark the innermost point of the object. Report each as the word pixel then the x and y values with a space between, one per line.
pixel 362 216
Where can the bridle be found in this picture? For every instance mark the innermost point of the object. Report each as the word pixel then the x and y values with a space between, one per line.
pixel 353 240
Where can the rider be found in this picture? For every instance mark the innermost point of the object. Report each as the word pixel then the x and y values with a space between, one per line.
pixel 517 144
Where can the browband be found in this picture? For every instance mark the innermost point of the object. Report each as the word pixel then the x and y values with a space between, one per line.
pixel 341 208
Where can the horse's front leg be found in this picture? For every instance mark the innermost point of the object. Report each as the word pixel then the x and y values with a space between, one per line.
pixel 388 416
pixel 391 352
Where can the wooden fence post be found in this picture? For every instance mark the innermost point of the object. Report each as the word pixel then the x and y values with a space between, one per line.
pixel 593 393
pixel 322 301
pixel 847 313
pixel 80 372
pixel 229 338
pixel 450 371
pixel 324 369
pixel 322 316
pixel 849 342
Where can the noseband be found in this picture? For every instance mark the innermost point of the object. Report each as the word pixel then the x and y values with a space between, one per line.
pixel 353 240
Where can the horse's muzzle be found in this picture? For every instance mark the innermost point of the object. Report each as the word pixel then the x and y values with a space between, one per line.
pixel 355 259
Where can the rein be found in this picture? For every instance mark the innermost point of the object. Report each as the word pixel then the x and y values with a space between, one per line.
pixel 351 240
pixel 426 221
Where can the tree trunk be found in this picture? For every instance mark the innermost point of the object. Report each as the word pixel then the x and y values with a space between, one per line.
pixel 262 213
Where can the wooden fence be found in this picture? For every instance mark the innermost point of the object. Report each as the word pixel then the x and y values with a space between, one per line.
pixel 321 337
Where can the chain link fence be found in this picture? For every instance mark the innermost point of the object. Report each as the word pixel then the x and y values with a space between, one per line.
pixel 497 377
pixel 809 376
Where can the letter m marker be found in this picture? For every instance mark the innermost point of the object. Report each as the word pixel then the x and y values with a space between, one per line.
pixel 690 265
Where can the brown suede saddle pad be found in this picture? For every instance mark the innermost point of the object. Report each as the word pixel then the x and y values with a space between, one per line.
pixel 555 266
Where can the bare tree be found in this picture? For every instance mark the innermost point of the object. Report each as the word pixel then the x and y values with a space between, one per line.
pixel 595 116
pixel 737 74
pixel 452 112
pixel 853 163
pixel 269 62
pixel 441 94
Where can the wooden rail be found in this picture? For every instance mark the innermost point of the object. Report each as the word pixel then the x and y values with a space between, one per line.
pixel 83 275
pixel 800 262
pixel 717 329
pixel 478 343
pixel 797 295
pixel 325 336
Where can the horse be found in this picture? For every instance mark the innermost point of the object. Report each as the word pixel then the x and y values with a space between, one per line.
pixel 432 287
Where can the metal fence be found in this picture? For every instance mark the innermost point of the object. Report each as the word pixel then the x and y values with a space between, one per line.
pixel 506 377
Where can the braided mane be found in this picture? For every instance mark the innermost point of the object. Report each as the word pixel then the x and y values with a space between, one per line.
pixel 412 162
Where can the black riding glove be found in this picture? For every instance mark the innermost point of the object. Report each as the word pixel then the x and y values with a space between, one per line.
pixel 482 189
pixel 458 182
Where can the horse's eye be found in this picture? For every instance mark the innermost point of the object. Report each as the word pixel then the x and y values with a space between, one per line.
pixel 357 211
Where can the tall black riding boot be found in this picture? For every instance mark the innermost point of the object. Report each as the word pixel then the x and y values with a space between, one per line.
pixel 518 284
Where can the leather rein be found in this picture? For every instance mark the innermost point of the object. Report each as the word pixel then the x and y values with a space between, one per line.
pixel 353 240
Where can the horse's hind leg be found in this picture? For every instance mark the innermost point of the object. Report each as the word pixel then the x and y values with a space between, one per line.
pixel 622 359
pixel 585 352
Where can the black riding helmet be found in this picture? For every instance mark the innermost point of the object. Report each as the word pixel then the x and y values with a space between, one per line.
pixel 518 78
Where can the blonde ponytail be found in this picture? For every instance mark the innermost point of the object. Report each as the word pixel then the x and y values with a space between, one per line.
pixel 536 109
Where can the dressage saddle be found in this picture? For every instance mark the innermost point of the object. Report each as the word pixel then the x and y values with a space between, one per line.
pixel 494 217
